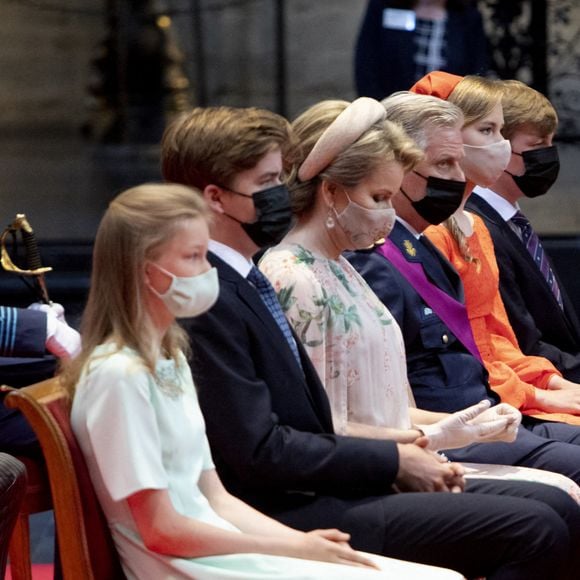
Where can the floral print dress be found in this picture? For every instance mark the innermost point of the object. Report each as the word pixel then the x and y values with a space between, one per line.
pixel 351 337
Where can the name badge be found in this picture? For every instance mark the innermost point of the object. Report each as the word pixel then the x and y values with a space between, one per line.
pixel 397 19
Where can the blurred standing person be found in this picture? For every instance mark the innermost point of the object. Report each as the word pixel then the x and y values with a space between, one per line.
pixel 402 40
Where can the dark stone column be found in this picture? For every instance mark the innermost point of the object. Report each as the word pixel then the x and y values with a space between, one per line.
pixel 138 79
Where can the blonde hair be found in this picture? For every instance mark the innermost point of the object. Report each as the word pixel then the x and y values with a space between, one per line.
pixel 476 97
pixel 383 141
pixel 211 145
pixel 523 105
pixel 416 113
pixel 136 224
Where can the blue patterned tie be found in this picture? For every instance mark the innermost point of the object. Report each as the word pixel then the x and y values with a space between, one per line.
pixel 269 298
pixel 532 242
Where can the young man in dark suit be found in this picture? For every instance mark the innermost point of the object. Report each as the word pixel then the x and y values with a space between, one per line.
pixel 267 415
pixel 539 310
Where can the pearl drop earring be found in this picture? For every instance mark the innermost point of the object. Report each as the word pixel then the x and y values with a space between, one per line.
pixel 330 223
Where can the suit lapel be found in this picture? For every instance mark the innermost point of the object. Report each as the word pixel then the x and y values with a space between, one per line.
pixel 250 297
pixel 478 205
pixel 486 211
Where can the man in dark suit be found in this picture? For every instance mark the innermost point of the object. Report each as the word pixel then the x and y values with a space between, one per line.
pixel 267 415
pixel 424 293
pixel 25 337
pixel 539 310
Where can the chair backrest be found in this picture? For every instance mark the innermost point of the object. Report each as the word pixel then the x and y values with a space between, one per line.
pixel 85 544
pixel 12 490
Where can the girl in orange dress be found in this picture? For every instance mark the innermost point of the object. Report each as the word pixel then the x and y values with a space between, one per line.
pixel 530 383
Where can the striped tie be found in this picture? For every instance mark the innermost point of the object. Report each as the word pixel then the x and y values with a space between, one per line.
pixel 532 242
pixel 269 298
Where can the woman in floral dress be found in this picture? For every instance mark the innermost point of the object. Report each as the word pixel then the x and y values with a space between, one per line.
pixel 352 162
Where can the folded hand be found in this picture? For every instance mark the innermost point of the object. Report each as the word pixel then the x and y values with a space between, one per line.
pixel 460 429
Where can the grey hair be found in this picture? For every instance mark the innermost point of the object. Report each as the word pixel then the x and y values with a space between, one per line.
pixel 415 113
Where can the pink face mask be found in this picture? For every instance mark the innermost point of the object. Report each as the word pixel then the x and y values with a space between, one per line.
pixel 484 164
pixel 365 226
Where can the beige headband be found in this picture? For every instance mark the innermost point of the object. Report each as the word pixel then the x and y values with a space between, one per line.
pixel 357 118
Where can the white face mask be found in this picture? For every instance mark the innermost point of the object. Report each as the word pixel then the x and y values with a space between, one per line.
pixel 191 295
pixel 484 164
pixel 365 226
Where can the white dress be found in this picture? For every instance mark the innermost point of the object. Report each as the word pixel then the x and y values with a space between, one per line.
pixel 140 432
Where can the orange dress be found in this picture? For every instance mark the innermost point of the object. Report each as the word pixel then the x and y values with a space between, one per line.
pixel 512 374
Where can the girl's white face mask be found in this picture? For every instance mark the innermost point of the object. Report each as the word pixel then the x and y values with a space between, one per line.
pixel 365 226
pixel 484 164
pixel 189 296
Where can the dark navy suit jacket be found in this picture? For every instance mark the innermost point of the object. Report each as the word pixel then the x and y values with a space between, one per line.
pixel 23 357
pixel 443 375
pixel 384 57
pixel 23 361
pixel 269 423
pixel 541 326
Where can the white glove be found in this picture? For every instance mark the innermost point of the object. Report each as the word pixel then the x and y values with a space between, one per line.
pixel 459 429
pixel 61 340
pixel 53 307
pixel 502 410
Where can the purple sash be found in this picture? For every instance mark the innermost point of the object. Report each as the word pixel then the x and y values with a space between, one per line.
pixel 449 310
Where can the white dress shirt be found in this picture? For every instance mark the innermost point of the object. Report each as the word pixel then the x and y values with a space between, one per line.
pixel 504 208
pixel 231 257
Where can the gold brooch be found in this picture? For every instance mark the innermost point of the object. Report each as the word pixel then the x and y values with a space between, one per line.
pixel 410 248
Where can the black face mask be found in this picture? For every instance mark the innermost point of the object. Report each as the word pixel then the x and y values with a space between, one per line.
pixel 443 198
pixel 273 215
pixel 542 168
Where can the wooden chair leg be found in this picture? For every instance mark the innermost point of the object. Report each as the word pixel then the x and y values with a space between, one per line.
pixel 19 550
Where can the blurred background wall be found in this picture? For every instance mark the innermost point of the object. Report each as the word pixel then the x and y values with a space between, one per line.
pixel 63 155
